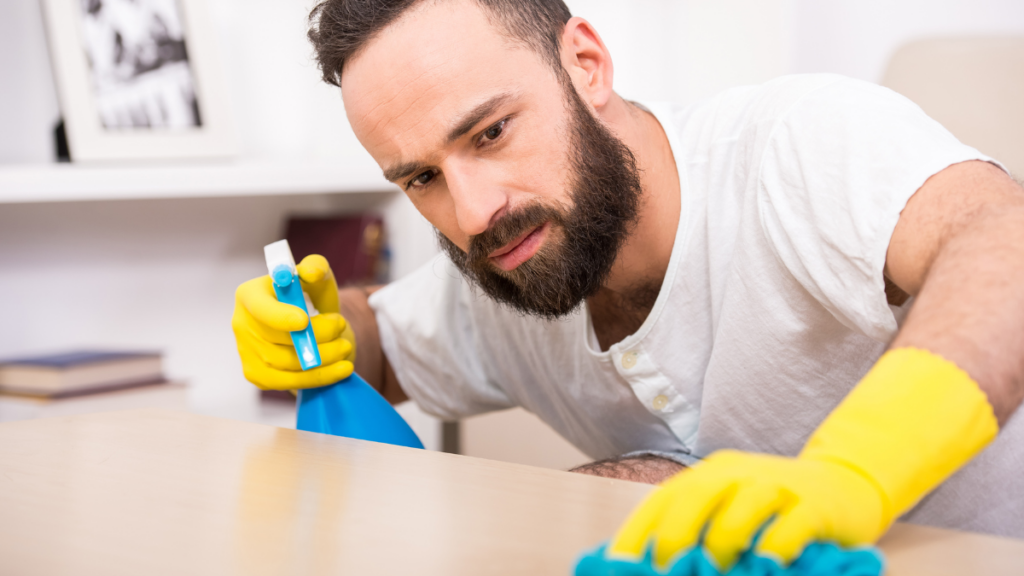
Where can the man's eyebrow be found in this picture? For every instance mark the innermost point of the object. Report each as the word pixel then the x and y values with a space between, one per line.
pixel 399 171
pixel 461 127
pixel 476 115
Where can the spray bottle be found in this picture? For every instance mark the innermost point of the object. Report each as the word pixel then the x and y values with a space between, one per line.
pixel 350 408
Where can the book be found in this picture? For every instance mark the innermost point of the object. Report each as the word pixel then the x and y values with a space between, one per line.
pixel 164 395
pixel 79 372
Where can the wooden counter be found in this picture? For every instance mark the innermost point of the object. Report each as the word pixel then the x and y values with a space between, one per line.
pixel 151 492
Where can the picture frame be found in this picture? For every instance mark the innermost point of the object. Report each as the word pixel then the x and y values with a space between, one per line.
pixel 138 80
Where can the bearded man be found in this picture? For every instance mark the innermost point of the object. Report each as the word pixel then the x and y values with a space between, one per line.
pixel 724 285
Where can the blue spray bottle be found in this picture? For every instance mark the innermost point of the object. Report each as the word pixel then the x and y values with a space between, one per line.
pixel 350 408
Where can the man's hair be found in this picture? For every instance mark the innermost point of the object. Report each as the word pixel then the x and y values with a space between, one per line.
pixel 339 28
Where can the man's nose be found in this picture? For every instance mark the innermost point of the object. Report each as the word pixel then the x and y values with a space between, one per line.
pixel 478 201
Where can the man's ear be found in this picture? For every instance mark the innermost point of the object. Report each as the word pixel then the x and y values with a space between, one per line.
pixel 587 61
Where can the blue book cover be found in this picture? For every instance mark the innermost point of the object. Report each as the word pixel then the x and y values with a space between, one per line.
pixel 76 358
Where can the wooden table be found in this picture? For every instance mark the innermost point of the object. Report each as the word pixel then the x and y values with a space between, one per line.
pixel 153 492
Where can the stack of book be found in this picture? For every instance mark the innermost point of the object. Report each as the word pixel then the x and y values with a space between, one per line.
pixel 85 381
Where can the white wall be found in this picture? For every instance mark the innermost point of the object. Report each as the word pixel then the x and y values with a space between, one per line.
pixel 857 38
pixel 684 50
pixel 28 101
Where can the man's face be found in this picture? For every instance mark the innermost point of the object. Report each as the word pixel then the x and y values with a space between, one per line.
pixel 530 194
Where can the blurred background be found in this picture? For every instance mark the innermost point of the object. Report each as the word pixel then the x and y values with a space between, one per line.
pixel 148 257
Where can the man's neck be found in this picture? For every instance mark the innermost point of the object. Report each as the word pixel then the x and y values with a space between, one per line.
pixel 643 259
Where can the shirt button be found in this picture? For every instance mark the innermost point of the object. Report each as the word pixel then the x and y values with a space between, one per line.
pixel 629 360
pixel 660 401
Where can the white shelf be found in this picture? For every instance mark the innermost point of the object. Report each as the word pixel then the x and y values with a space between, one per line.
pixel 69 182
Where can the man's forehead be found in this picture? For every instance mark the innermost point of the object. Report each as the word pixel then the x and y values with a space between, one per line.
pixel 427 70
pixel 425 47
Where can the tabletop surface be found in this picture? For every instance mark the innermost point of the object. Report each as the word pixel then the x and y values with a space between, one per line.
pixel 158 492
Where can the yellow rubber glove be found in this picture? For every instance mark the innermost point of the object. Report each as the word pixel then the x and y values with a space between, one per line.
pixel 262 328
pixel 912 421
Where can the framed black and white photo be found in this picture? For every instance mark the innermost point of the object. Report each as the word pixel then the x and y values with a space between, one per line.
pixel 137 79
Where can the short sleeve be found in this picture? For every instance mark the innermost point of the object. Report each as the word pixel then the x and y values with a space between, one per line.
pixel 429 338
pixel 838 168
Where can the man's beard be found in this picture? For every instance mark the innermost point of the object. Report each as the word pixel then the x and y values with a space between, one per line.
pixel 583 240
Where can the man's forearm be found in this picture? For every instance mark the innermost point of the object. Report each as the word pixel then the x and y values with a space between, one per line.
pixel 971 309
pixel 371 363
pixel 648 469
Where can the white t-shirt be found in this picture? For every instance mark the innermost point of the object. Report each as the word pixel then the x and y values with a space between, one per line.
pixel 772 308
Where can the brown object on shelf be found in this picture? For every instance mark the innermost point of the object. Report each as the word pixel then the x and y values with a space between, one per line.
pixel 156 492
pixel 355 246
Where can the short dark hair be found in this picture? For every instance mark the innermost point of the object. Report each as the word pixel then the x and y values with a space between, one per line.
pixel 339 28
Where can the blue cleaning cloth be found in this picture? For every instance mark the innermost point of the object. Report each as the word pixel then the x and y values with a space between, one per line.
pixel 818 559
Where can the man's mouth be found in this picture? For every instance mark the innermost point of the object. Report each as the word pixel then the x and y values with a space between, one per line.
pixel 511 255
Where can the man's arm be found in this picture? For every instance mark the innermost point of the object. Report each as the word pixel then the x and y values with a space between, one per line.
pixel 959 248
pixel 955 373
pixel 370 363
pixel 648 468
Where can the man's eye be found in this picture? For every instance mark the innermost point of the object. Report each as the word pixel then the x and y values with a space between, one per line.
pixel 493 132
pixel 423 179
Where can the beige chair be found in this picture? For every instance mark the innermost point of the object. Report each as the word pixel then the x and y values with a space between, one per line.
pixel 973 86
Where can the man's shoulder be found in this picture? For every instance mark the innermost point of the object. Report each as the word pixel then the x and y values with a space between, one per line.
pixel 782 92
pixel 752 111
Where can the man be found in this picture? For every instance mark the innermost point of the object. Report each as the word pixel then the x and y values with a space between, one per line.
pixel 680 281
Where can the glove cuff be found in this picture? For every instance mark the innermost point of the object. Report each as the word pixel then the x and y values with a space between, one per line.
pixel 909 424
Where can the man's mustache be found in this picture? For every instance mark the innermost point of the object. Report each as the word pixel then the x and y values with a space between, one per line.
pixel 507 229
